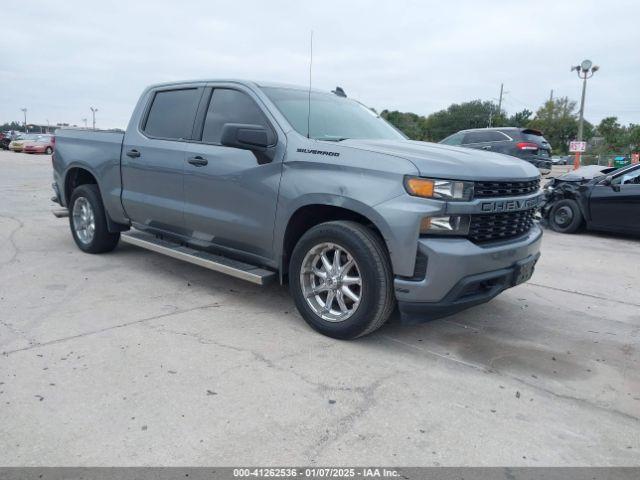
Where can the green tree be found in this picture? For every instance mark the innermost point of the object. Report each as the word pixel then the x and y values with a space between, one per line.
pixel 616 137
pixel 11 126
pixel 520 119
pixel 461 116
pixel 438 125
pixel 411 124
pixel 633 137
pixel 557 119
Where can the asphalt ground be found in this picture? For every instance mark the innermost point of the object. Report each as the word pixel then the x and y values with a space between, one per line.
pixel 133 358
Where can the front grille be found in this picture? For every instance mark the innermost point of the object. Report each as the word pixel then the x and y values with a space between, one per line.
pixel 500 226
pixel 505 189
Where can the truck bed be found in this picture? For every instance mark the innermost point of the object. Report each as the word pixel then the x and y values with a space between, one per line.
pixel 96 151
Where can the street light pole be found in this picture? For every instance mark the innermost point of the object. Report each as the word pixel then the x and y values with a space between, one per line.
pixel 24 110
pixel 581 120
pixel 585 71
pixel 93 113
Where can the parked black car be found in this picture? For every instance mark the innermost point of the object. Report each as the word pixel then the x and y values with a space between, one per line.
pixel 524 143
pixel 602 198
pixel 5 140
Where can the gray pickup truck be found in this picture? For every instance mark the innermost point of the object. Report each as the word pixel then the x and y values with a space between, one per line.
pixel 272 182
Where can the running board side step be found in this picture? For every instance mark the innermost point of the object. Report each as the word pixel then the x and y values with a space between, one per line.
pixel 218 263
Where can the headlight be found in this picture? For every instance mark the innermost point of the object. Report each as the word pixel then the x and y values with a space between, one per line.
pixel 445 225
pixel 438 189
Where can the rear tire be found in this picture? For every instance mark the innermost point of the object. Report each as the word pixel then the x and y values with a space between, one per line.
pixel 48 151
pixel 88 221
pixel 347 297
pixel 565 216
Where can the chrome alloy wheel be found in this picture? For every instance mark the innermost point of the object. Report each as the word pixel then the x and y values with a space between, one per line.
pixel 84 221
pixel 331 282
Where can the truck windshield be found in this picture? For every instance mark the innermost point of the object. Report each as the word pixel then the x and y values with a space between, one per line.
pixel 332 118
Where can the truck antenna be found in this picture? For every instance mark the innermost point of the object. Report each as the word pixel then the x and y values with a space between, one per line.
pixel 309 97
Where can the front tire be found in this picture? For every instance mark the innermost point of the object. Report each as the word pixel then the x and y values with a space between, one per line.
pixel 88 221
pixel 341 281
pixel 565 216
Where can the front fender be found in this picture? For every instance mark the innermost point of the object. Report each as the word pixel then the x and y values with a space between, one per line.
pixel 397 219
pixel 283 218
pixel 564 191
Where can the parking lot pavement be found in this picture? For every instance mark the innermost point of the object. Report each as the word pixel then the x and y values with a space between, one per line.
pixel 132 358
pixel 558 170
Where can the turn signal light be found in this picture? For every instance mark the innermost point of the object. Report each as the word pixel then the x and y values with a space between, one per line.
pixel 420 187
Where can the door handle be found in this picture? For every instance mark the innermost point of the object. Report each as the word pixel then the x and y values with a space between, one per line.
pixel 198 161
pixel 487 147
pixel 133 153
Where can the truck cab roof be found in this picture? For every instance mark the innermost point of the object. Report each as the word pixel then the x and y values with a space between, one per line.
pixel 246 82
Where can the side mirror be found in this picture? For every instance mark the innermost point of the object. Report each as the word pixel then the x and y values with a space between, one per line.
pixel 608 180
pixel 246 137
pixel 255 138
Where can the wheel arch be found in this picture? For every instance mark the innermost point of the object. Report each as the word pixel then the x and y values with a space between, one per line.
pixel 578 195
pixel 315 211
pixel 75 176
pixel 79 174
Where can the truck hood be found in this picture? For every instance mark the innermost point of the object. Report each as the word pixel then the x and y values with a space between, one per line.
pixel 586 173
pixel 444 161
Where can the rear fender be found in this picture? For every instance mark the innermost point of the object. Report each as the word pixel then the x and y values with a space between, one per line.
pixel 112 225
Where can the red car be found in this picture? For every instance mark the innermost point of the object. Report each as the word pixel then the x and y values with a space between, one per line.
pixel 42 144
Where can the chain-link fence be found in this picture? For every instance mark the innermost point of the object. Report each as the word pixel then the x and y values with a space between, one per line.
pixel 605 160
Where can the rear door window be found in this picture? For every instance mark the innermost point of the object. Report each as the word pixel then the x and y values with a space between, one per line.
pixel 475 137
pixel 172 114
pixel 455 139
pixel 230 106
pixel 494 136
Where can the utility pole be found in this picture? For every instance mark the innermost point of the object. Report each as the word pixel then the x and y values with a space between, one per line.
pixel 500 101
pixel 585 71
pixel 85 122
pixel 551 96
pixel 93 113
pixel 24 110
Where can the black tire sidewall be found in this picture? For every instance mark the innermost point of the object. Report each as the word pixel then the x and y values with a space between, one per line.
pixel 361 320
pixel 103 240
pixel 48 151
pixel 575 222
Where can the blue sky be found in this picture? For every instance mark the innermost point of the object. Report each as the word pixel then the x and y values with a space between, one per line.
pixel 60 58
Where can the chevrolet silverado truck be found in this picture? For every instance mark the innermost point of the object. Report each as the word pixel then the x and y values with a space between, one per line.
pixel 268 182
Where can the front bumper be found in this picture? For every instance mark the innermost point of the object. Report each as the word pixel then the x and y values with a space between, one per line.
pixel 455 267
